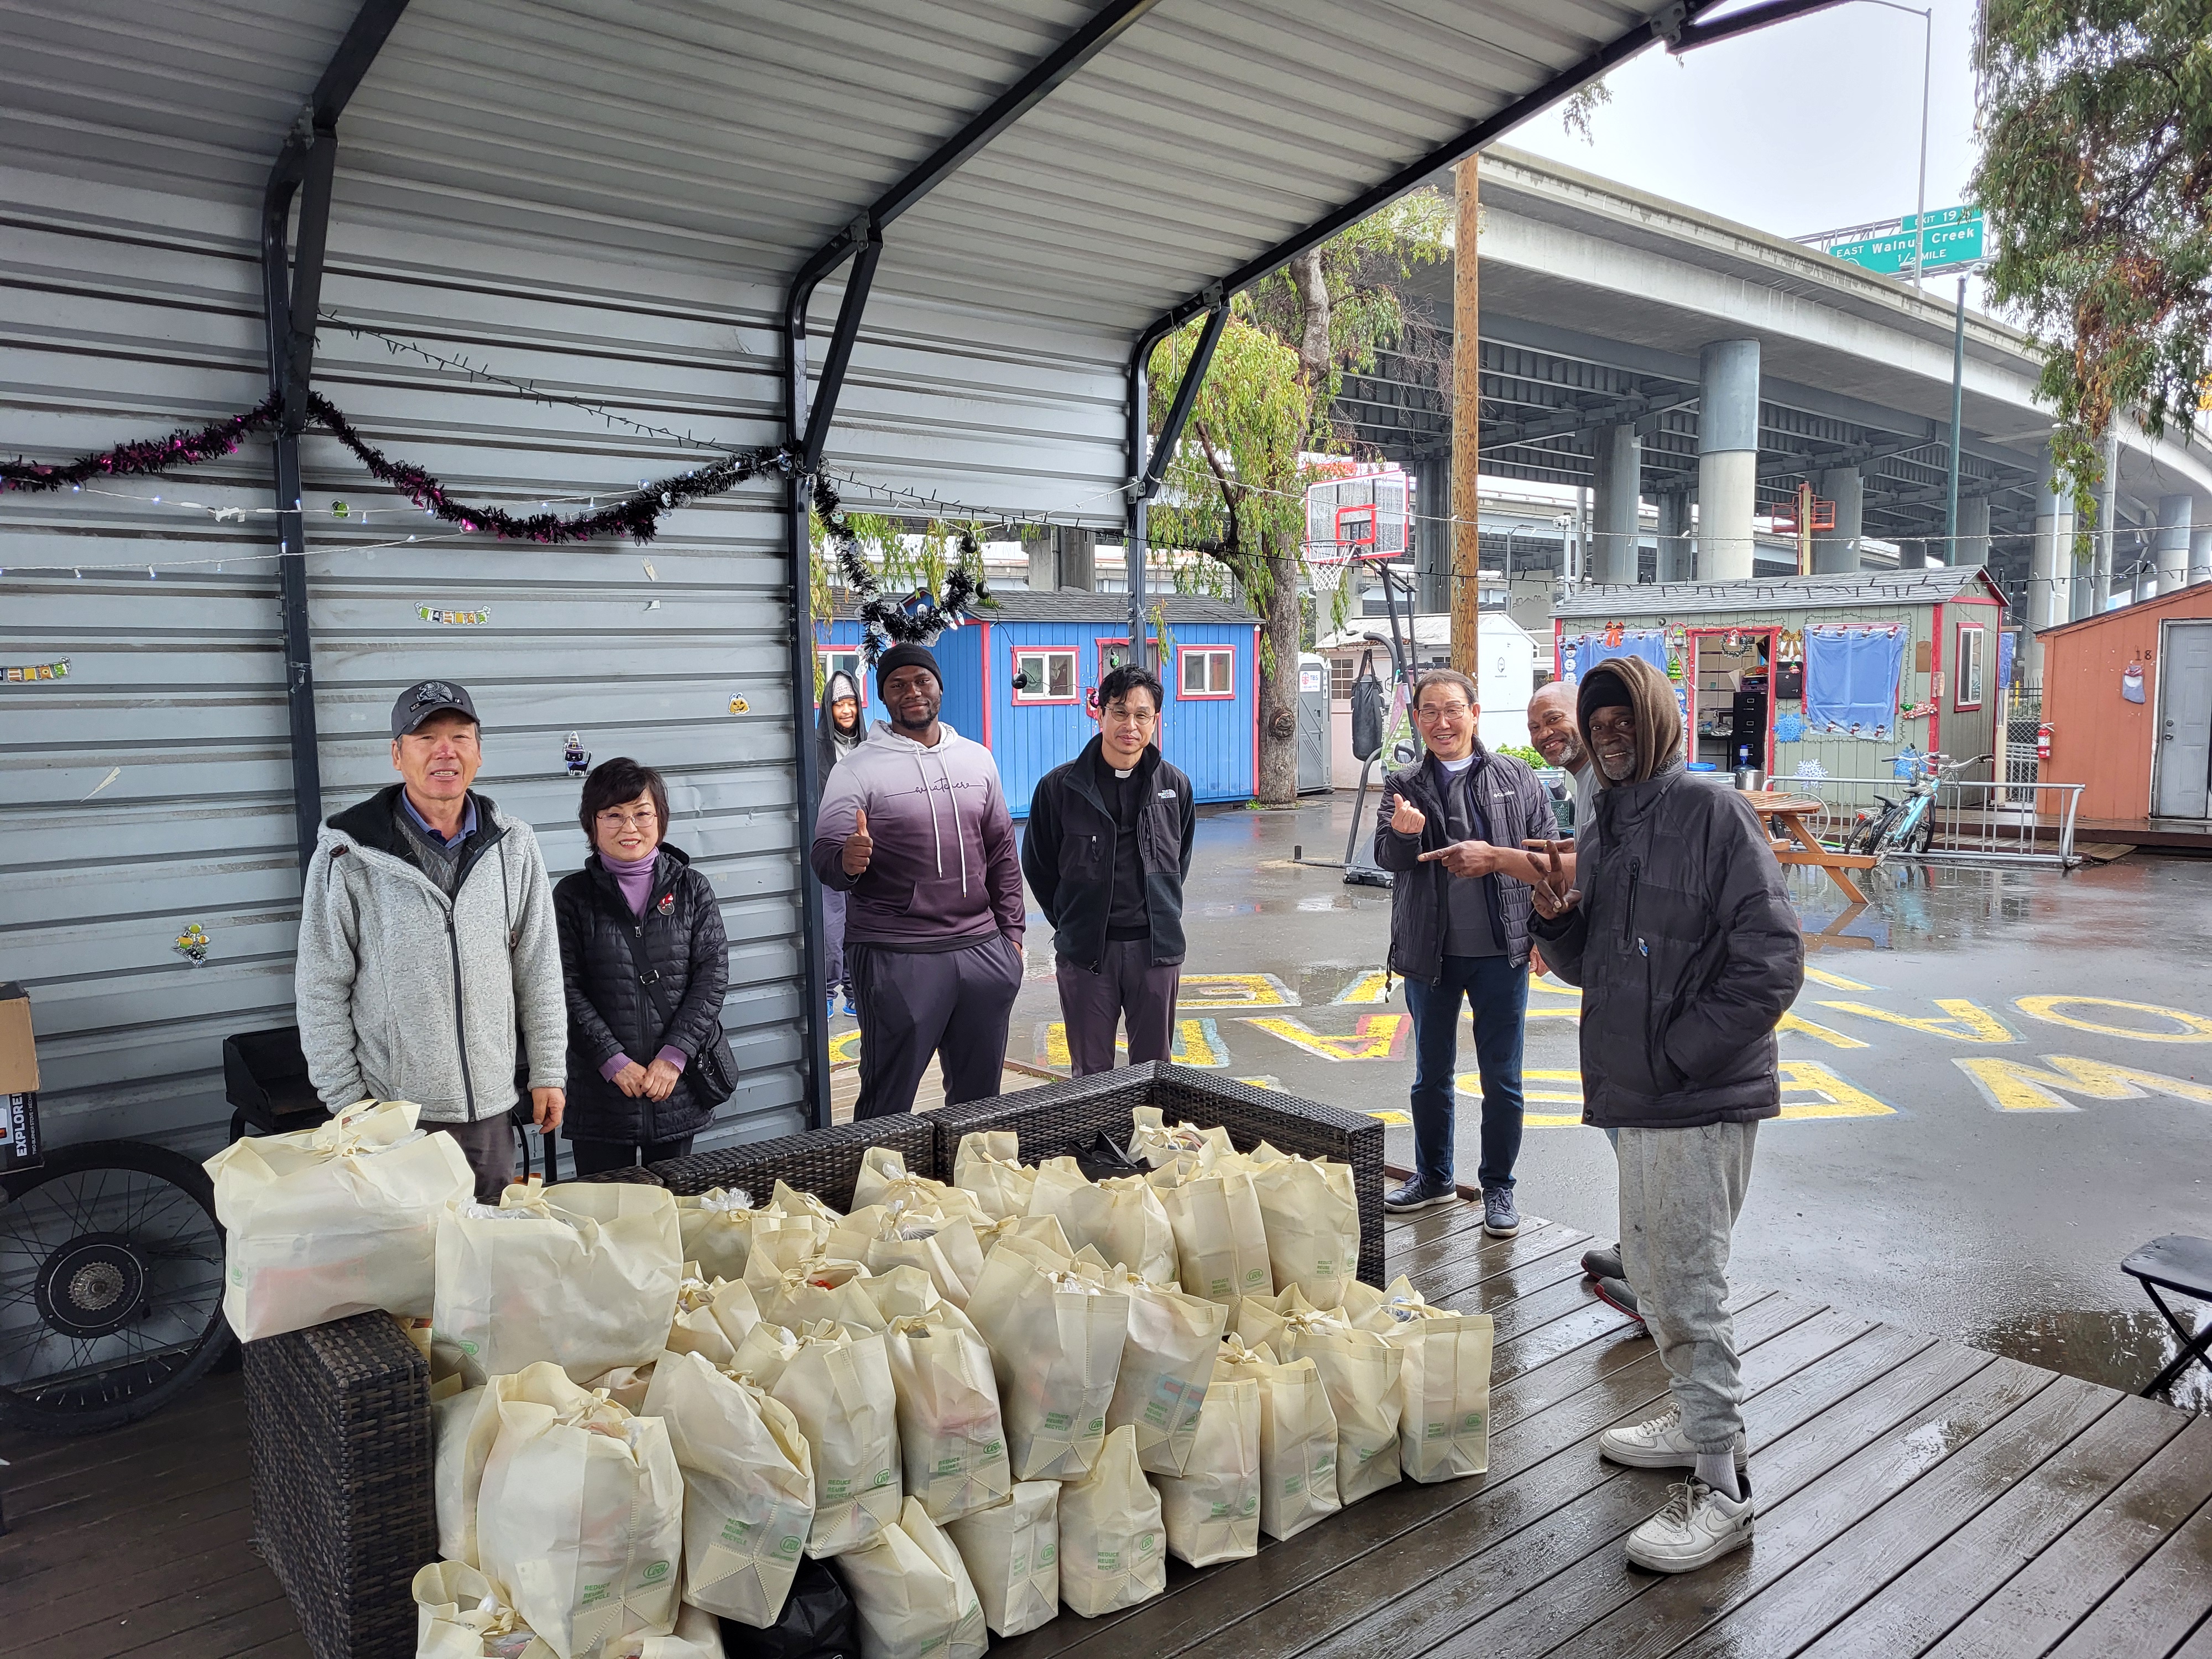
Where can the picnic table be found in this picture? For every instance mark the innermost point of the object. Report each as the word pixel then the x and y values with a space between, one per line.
pixel 1800 845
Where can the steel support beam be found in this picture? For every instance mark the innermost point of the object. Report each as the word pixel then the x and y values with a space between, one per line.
pixel 1148 470
pixel 291 291
pixel 1689 36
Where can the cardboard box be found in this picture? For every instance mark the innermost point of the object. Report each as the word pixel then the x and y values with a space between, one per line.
pixel 18 1081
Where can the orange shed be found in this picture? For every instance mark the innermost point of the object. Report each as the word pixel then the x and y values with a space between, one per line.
pixel 2128 696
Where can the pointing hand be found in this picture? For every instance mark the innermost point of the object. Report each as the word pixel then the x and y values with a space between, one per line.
pixel 859 848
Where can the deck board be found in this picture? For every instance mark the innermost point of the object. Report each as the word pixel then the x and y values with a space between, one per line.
pixel 1916 1497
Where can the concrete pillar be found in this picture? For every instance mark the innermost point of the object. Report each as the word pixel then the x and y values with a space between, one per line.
pixel 1075 554
pixel 2053 553
pixel 1676 563
pixel 2200 555
pixel 1728 458
pixel 1042 547
pixel 1973 531
pixel 1837 551
pixel 1616 514
pixel 2172 545
pixel 1432 534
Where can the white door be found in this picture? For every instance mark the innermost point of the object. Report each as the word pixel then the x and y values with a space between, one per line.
pixel 2184 720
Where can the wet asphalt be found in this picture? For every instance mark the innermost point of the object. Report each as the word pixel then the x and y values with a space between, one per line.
pixel 2003 1228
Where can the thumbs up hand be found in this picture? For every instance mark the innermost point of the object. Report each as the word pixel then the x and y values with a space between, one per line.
pixel 859 848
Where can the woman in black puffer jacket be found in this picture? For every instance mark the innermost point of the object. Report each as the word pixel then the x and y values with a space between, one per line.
pixel 645 964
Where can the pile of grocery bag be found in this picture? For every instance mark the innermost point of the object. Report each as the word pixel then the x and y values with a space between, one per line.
pixel 958 1409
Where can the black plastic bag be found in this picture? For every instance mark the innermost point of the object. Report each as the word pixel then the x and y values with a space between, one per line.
pixel 1101 1160
pixel 818 1622
pixel 1367 709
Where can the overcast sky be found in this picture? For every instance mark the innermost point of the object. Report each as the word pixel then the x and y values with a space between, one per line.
pixel 1807 126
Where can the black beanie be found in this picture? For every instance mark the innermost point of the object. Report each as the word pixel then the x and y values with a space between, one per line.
pixel 908 656
pixel 1602 688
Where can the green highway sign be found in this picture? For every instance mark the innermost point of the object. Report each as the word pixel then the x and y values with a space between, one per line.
pixel 1952 237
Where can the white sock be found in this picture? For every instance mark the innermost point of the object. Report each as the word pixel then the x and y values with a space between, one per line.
pixel 1717 1470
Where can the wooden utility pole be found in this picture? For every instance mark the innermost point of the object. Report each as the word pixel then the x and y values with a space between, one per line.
pixel 1466 428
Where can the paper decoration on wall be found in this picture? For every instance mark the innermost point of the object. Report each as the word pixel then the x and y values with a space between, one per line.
pixel 2131 682
pixel 340 510
pixel 739 706
pixel 192 945
pixel 113 773
pixel 1788 728
pixel 1810 771
pixel 575 757
pixel 1732 642
pixel 59 670
pixel 452 618
pixel 1614 630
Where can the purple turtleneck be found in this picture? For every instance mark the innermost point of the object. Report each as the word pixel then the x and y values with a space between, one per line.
pixel 635 878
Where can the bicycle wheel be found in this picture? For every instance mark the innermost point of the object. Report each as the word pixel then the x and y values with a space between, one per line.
pixel 110 1286
pixel 1922 836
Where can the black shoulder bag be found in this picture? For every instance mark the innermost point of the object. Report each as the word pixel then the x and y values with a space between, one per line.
pixel 713 1069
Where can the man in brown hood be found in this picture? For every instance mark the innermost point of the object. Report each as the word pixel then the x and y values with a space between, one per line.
pixel 1687 951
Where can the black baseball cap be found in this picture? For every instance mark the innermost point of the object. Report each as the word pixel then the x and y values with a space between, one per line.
pixel 426 697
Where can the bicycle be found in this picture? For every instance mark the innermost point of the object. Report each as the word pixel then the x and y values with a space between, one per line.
pixel 1908 826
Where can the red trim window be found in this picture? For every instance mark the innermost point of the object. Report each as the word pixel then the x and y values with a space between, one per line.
pixel 1050 672
pixel 1966 670
pixel 1205 671
pixel 848 658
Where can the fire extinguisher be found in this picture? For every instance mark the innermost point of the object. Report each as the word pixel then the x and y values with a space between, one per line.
pixel 2043 741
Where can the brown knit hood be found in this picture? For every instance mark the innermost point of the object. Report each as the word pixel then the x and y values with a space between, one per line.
pixel 1658 717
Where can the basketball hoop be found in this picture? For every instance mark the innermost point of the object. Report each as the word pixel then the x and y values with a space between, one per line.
pixel 1326 575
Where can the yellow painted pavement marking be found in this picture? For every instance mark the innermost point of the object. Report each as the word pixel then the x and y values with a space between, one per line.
pixel 2195 1028
pixel 1832 1096
pixel 1964 1021
pixel 2013 1085
pixel 1235 991
pixel 846 1045
pixel 1821 976
pixel 1394 1120
pixel 1380 1037
pixel 1370 987
pixel 1834 1038
pixel 1195 1042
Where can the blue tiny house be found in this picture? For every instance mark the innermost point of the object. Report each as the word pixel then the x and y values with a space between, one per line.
pixel 1065 642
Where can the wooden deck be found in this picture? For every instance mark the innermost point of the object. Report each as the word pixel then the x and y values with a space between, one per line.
pixel 1915 1497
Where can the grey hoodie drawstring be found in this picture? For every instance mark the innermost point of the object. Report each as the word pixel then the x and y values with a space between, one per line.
pixel 937 836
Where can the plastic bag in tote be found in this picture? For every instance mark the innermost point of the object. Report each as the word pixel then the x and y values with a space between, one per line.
pixel 334 1221
pixel 838 1385
pixel 1167 1361
pixel 1444 1384
pixel 1221 1239
pixel 1297 1440
pixel 1056 1339
pixel 914 1597
pixel 1012 1554
pixel 583 1275
pixel 1113 1550
pixel 1360 1370
pixel 989 1166
pixel 1311 1215
pixel 747 1486
pixel 951 1440
pixel 1212 1511
pixel 819 1621
pixel 458 1615
pixel 1123 1218
pixel 1187 1148
pixel 717 1230
pixel 579 1517
pixel 712 1319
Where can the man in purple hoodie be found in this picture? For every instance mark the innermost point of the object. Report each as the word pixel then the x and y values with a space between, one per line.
pixel 914 828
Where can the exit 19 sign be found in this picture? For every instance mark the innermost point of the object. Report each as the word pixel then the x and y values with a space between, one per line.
pixel 1953 237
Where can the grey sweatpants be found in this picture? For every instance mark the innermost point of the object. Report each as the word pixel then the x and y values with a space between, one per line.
pixel 913 1003
pixel 1127 986
pixel 1680 1192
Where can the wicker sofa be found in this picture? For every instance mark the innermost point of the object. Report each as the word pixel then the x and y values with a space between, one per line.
pixel 339 1415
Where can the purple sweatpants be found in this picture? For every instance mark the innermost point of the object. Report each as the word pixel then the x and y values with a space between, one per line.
pixel 1127 986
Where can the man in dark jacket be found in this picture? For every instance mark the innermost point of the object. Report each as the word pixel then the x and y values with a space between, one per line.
pixel 1683 939
pixel 1106 853
pixel 838 731
pixel 1450 830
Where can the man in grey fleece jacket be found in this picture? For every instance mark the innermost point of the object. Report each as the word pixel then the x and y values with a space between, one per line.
pixel 913 826
pixel 426 931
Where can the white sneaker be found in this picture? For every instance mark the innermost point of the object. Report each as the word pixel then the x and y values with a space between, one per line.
pixel 1659 1444
pixel 1697 1527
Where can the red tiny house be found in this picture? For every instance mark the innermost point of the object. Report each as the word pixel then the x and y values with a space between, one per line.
pixel 2111 685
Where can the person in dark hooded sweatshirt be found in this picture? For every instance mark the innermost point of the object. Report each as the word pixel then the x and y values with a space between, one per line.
pixel 839 730
pixel 1683 939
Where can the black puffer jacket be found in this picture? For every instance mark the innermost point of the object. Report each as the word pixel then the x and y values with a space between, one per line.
pixel 605 951
pixel 1684 941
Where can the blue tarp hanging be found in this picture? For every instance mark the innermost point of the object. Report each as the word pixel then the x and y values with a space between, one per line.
pixel 1588 650
pixel 1850 680
pixel 2007 642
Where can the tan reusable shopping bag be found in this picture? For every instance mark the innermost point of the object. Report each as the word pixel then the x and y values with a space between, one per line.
pixel 1298 1439
pixel 1444 1384
pixel 717 1231
pixel 1311 1215
pixel 1167 1361
pixel 584 1274
pixel 747 1486
pixel 1011 1551
pixel 333 1221
pixel 1221 1240
pixel 712 1318
pixel 913 1593
pixel 987 1164
pixel 1041 1230
pixel 1122 1217
pixel 838 1383
pixel 1359 1370
pixel 1212 1511
pixel 1113 1550
pixel 883 1236
pixel 462 1429
pixel 1056 1338
pixel 458 1615
pixel 952 1441
pixel 579 1517
pixel 1186 1148
pixel 814 1289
